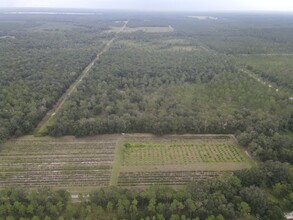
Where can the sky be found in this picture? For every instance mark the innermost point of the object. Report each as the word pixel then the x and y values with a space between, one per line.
pixel 159 5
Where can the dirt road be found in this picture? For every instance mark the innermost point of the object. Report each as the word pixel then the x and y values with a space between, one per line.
pixel 51 115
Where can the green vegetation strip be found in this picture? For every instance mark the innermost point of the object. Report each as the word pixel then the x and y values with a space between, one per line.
pixel 158 154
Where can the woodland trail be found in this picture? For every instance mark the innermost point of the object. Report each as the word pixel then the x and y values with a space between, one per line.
pixel 250 73
pixel 263 81
pixel 51 115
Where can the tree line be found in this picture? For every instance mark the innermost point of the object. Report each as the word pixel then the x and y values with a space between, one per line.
pixel 245 195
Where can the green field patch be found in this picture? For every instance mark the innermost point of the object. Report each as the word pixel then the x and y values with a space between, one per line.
pixel 164 154
pixel 165 29
pixel 175 160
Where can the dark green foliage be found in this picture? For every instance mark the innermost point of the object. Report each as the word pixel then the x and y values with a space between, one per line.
pixel 145 92
pixel 276 69
pixel 38 64
pixel 186 81
pixel 243 34
pixel 173 83
pixel 268 174
pixel 224 198
pixel 18 203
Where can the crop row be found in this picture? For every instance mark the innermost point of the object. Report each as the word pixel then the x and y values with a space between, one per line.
pixel 56 164
pixel 22 150
pixel 164 178
pixel 56 152
pixel 57 182
pixel 140 154
pixel 49 167
pixel 44 147
pixel 54 176
pixel 55 158
pixel 66 143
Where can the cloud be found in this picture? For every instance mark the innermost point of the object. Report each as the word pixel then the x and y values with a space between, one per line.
pixel 195 5
pixel 62 3
pixel 6 3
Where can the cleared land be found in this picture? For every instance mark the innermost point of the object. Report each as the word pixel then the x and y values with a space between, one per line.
pixel 203 17
pixel 176 160
pixel 74 164
pixel 162 45
pixel 83 164
pixel 4 37
pixel 157 154
pixel 144 29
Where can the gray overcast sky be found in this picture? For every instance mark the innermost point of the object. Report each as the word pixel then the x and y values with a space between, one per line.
pixel 174 5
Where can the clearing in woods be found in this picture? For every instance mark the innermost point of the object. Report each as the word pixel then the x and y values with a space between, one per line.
pixel 203 17
pixel 177 159
pixel 163 29
pixel 78 165
pixel 83 164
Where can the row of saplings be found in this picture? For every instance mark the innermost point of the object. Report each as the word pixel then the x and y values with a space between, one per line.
pixel 241 196
pixel 185 153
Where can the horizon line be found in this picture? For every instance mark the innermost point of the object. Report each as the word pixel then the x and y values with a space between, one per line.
pixel 146 10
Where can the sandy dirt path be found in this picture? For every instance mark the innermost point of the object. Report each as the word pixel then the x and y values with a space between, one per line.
pixel 51 115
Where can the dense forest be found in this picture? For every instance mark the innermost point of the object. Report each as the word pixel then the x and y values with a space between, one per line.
pixel 230 75
pixel 40 57
pixel 241 196
pixel 164 83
